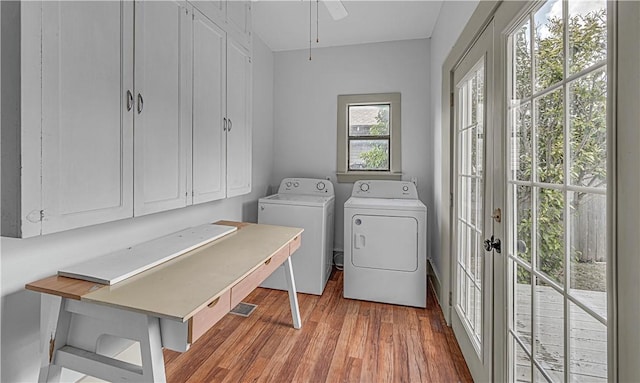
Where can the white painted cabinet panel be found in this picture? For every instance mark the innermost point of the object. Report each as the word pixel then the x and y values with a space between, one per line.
pixel 161 122
pixel 239 119
pixel 87 53
pixel 239 20
pixel 209 107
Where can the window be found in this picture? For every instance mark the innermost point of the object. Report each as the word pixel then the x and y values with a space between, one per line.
pixel 369 137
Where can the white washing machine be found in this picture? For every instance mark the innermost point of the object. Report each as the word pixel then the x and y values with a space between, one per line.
pixel 309 204
pixel 385 256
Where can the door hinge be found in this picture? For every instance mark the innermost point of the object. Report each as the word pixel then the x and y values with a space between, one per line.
pixel 451 100
pixel 450 199
pixel 450 298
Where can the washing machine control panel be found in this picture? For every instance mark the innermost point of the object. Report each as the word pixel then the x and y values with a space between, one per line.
pixel 384 189
pixel 311 186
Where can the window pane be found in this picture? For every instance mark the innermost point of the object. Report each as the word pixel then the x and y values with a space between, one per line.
pixel 549 52
pixel 589 250
pixel 522 144
pixel 588 123
pixel 549 330
pixel 587 33
pixel 550 137
pixel 522 61
pixel 588 345
pixel 369 120
pixel 369 155
pixel 551 243
pixel 523 222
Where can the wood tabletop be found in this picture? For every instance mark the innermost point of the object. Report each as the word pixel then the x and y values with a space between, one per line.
pixel 177 289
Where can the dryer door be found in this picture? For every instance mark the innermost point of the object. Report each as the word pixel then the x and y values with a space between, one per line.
pixel 384 242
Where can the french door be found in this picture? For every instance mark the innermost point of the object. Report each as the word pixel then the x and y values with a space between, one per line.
pixel 530 183
pixel 473 152
pixel 557 193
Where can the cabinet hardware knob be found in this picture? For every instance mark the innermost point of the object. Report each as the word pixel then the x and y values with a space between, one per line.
pixel 224 124
pixel 215 302
pixel 140 103
pixel 230 125
pixel 129 100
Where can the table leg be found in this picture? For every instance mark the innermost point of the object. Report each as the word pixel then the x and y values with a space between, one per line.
pixel 54 324
pixel 293 298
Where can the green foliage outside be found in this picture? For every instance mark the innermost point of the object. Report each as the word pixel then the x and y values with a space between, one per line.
pixel 587 138
pixel 378 156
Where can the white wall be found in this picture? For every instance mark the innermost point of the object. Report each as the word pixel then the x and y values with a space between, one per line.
pixel 26 260
pixel 451 21
pixel 306 94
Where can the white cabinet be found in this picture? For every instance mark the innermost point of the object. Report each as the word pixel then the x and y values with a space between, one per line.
pixel 239 20
pixel 209 110
pixel 233 15
pixel 162 117
pixel 238 120
pixel 87 56
pixel 221 113
pixel 123 109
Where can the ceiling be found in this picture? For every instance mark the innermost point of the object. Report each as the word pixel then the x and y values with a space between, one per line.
pixel 284 25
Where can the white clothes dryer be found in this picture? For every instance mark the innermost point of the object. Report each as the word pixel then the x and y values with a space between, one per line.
pixel 309 204
pixel 385 257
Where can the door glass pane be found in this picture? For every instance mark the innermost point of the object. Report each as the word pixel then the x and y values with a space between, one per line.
pixel 588 345
pixel 523 365
pixel 550 234
pixel 523 221
pixel 587 33
pixel 548 44
pixel 589 250
pixel 588 124
pixel 549 126
pixel 549 330
pixel 522 303
pixel 522 65
pixel 522 143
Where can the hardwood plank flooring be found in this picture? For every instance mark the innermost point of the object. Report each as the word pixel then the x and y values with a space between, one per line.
pixel 341 340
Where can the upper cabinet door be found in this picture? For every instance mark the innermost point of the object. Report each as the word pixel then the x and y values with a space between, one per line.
pixel 87 56
pixel 239 20
pixel 239 120
pixel 162 114
pixel 209 107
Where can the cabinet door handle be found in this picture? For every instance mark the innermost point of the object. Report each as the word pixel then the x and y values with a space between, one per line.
pixel 140 103
pixel 129 100
pixel 224 124
pixel 230 125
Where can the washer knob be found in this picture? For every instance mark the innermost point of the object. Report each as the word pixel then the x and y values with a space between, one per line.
pixel 296 184
pixel 320 185
pixel 364 187
pixel 405 188
pixel 288 184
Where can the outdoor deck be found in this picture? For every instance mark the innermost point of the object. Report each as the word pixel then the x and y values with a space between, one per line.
pixel 587 344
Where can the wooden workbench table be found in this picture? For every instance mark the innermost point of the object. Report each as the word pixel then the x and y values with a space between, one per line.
pixel 170 305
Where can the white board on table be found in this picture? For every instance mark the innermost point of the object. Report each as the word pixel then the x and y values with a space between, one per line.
pixel 114 267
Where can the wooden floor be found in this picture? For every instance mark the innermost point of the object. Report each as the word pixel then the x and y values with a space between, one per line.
pixel 341 340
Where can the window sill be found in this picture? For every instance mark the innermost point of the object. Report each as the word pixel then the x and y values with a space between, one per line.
pixel 357 176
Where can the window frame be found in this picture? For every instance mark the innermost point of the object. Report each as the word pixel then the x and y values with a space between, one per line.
pixel 395 155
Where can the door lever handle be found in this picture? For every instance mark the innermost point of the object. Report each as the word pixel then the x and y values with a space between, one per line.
pixel 493 244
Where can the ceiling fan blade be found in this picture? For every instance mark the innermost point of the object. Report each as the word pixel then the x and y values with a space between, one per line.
pixel 336 9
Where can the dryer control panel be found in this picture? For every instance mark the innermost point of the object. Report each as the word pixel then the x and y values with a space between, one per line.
pixel 308 186
pixel 384 189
